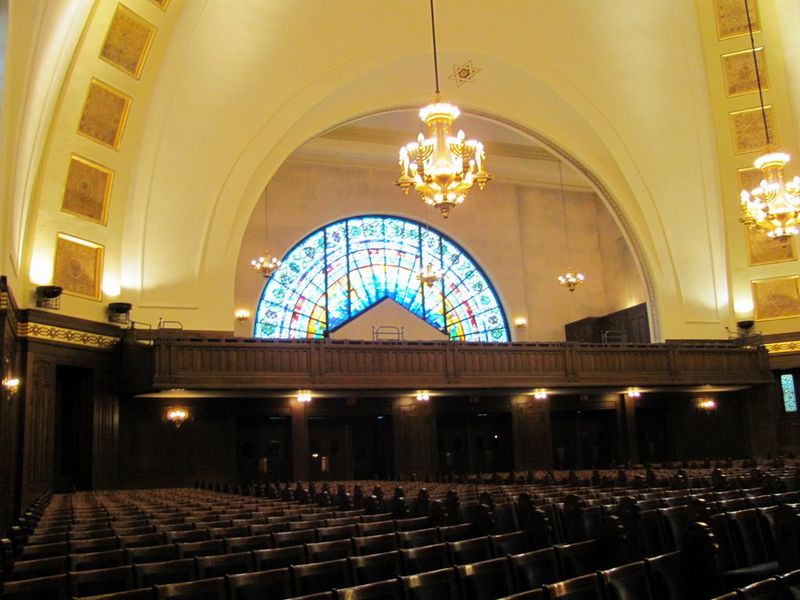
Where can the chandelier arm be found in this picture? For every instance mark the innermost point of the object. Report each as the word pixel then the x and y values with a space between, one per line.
pixel 435 58
pixel 758 73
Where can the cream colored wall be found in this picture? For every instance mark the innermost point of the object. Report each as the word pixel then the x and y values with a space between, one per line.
pixel 232 89
pixel 515 233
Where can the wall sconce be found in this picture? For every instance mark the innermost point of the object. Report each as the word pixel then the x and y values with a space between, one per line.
pixel 304 396
pixel 540 395
pixel 423 396
pixel 633 393
pixel 242 315
pixel 119 312
pixel 48 296
pixel 706 404
pixel 520 322
pixel 11 385
pixel 177 415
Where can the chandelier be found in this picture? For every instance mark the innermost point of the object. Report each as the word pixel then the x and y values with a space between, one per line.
pixel 571 279
pixel 774 206
pixel 266 264
pixel 442 168
pixel 429 276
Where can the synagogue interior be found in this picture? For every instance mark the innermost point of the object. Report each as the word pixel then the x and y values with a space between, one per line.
pixel 412 299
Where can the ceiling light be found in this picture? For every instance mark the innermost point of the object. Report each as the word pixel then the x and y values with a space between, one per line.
pixel 266 264
pixel 443 167
pixel 774 206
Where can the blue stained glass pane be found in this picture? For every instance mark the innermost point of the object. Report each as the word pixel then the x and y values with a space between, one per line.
pixel 347 267
pixel 789 397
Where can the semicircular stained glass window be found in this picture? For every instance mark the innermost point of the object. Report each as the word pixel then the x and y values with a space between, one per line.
pixel 345 268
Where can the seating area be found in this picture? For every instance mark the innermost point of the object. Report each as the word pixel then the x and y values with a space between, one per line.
pixel 729 539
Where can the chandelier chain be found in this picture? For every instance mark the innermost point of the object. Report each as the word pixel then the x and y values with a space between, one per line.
pixel 435 56
pixel 758 72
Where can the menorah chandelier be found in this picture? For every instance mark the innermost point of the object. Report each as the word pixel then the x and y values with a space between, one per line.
pixel 773 206
pixel 442 168
pixel 266 264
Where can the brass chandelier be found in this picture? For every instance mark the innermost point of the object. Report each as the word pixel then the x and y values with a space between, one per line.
pixel 774 206
pixel 266 264
pixel 442 168
pixel 571 279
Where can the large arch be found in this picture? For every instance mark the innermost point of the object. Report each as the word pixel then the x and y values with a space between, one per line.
pixel 345 268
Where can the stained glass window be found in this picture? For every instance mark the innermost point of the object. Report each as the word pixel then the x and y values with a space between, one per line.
pixel 344 269
pixel 789 397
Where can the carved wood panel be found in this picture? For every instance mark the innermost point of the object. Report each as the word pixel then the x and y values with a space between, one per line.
pixel 38 452
pixel 415 438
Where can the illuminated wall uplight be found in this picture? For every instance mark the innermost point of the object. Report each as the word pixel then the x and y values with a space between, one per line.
pixel 540 395
pixel 633 393
pixel 304 396
pixel 242 315
pixel 41 270
pixel 111 287
pixel 177 415
pixel 423 396
pixel 520 322
pixel 11 384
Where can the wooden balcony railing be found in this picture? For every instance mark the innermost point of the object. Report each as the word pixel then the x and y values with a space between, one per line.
pixel 184 361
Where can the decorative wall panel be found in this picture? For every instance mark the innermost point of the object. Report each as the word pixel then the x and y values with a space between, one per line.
pixel 127 41
pixel 747 129
pixel 739 72
pixel 731 18
pixel 762 249
pixel 78 266
pixel 88 189
pixel 777 298
pixel 104 114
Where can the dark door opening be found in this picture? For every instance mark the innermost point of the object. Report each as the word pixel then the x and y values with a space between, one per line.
pixel 73 429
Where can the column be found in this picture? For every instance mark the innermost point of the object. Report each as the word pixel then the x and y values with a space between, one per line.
pixel 415 443
pixel 632 446
pixel 533 440
pixel 300 466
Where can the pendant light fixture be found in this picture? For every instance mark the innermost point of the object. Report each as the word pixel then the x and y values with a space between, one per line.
pixel 266 264
pixel 571 279
pixel 442 168
pixel 774 206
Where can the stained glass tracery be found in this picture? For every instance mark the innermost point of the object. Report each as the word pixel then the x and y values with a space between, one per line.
pixel 344 269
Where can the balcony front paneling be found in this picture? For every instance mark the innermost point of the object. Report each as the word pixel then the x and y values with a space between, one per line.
pixel 235 363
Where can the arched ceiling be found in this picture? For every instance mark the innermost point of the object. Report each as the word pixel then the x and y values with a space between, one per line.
pixel 229 90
